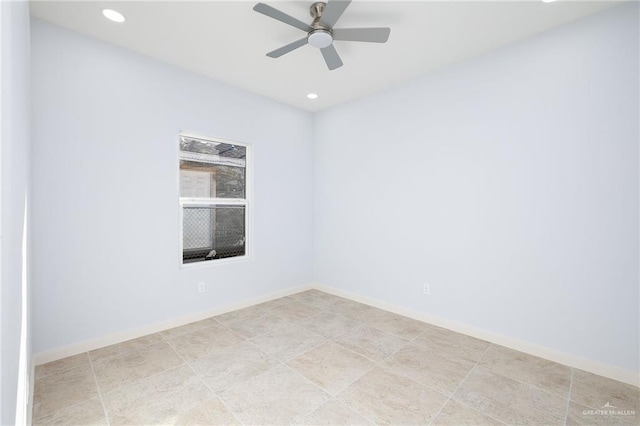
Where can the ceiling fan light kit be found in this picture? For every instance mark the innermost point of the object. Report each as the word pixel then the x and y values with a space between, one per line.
pixel 321 34
pixel 320 38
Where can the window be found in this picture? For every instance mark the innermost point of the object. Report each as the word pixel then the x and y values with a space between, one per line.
pixel 213 199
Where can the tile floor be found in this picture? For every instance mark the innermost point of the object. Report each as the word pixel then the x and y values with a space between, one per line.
pixel 314 358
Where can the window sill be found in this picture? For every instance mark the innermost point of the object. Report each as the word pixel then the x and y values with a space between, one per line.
pixel 215 262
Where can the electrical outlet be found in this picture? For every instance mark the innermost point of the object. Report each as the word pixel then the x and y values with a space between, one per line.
pixel 426 289
pixel 202 287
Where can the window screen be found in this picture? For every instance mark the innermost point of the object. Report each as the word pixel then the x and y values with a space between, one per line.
pixel 213 199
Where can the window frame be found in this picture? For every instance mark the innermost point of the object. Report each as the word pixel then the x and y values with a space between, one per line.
pixel 247 202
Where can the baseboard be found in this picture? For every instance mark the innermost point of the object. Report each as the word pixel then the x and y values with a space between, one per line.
pixel 112 339
pixel 595 367
pixel 570 360
pixel 32 379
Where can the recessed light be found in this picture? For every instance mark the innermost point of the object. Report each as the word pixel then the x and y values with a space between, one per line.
pixel 312 95
pixel 548 1
pixel 113 15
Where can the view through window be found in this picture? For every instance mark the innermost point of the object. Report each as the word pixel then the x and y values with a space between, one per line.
pixel 213 199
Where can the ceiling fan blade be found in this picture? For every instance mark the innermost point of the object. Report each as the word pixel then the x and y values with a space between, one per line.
pixel 333 11
pixel 372 35
pixel 288 48
pixel 331 57
pixel 271 12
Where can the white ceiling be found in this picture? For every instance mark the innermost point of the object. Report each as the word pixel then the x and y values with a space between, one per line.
pixel 227 40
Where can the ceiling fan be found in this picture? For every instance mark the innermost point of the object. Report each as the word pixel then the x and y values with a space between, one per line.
pixel 320 33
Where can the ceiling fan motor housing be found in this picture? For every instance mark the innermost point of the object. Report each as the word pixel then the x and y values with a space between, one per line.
pixel 320 37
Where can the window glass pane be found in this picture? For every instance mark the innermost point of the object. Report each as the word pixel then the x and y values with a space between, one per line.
pixel 204 180
pixel 213 232
pixel 211 148
pixel 211 169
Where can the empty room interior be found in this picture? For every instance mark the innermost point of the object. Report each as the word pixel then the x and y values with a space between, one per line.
pixel 337 212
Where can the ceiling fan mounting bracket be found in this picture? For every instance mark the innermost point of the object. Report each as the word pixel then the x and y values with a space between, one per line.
pixel 316 9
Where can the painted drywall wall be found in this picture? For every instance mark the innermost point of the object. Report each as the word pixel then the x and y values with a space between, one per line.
pixel 508 183
pixel 14 154
pixel 105 203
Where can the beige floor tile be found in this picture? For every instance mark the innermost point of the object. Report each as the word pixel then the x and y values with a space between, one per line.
pixel 230 366
pixel 87 413
pixel 354 310
pixel 283 301
pixel 158 399
pixel 457 414
pixel 264 324
pixel 510 401
pixel 429 368
pixel 452 344
pixel 146 380
pixel 331 366
pixel 388 398
pixel 123 369
pixel 539 372
pixel 398 325
pixel 64 389
pixel 61 365
pixel 579 415
pixel 332 412
pixel 276 396
pixel 295 311
pixel 211 412
pixel 129 345
pixel 306 293
pixel 188 328
pixel 595 391
pixel 287 342
pixel 241 315
pixel 371 342
pixel 316 298
pixel 329 324
pixel 201 343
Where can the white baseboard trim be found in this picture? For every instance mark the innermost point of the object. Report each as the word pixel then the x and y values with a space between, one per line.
pixel 570 360
pixel 32 381
pixel 595 367
pixel 112 339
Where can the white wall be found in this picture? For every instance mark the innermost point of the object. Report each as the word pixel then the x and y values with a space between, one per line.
pixel 105 209
pixel 509 183
pixel 14 154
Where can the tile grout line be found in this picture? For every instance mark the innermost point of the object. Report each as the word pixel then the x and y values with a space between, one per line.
pixel 356 412
pixel 566 413
pixel 460 384
pixel 379 364
pixel 525 383
pixel 59 371
pixel 199 377
pixel 128 351
pixel 279 363
pixel 411 340
pixel 243 340
pixel 376 364
pixel 331 397
pixel 166 339
pixel 326 340
pixel 60 409
pixel 95 378
pixel 548 392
